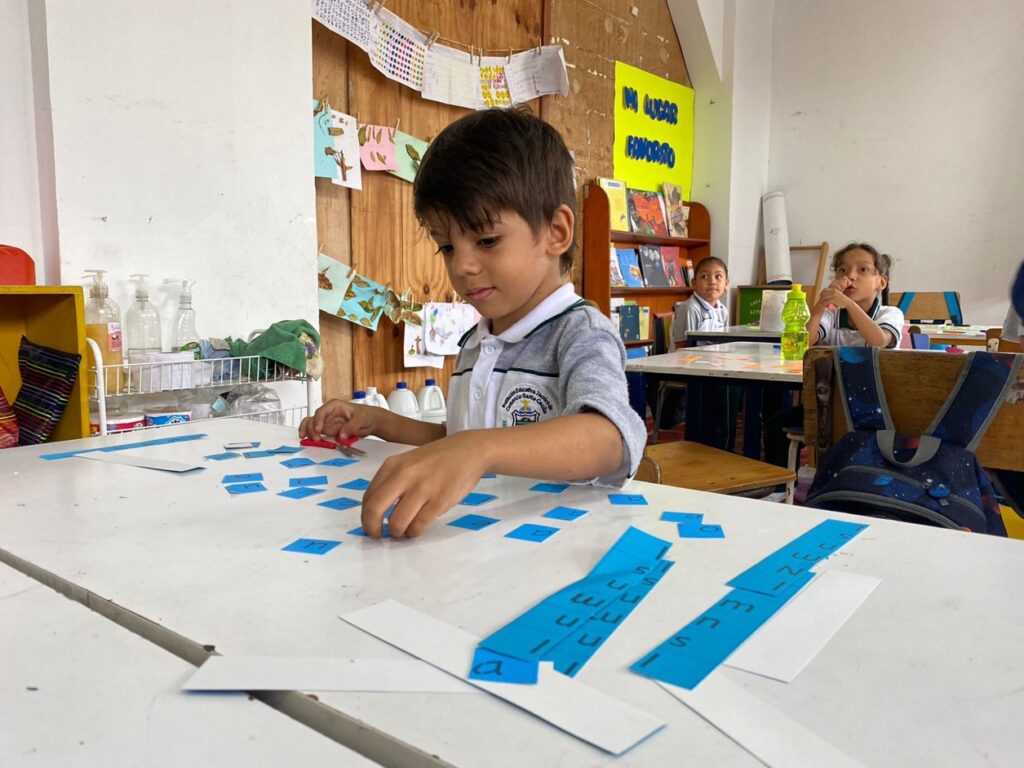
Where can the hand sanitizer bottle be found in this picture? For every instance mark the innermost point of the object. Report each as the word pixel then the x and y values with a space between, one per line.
pixel 143 322
pixel 185 338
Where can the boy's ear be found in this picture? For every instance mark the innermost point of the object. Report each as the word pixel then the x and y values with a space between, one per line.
pixel 560 231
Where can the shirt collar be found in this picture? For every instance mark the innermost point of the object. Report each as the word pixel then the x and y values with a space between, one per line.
pixel 844 317
pixel 555 303
pixel 703 302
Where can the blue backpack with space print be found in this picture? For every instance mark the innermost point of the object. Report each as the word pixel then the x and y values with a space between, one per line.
pixel 933 479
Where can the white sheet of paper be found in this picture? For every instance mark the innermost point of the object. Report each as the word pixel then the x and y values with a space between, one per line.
pixel 414 349
pixel 352 19
pixel 450 77
pixel 445 324
pixel 759 728
pixel 347 145
pixel 397 49
pixel 585 712
pixel 531 74
pixel 275 673
pixel 795 635
pixel 146 462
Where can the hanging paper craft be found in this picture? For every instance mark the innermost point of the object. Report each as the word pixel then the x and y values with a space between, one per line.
pixel 398 49
pixel 536 73
pixel 332 280
pixel 494 87
pixel 446 324
pixel 414 349
pixel 323 144
pixel 408 154
pixel 346 150
pixel 377 147
pixel 352 19
pixel 364 302
pixel 450 77
pixel 402 309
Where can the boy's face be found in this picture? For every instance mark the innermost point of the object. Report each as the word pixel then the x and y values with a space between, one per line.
pixel 711 283
pixel 504 271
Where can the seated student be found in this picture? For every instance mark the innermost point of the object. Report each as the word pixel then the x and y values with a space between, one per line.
pixel 495 192
pixel 850 312
pixel 704 310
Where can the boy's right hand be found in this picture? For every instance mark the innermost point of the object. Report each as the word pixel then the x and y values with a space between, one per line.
pixel 336 418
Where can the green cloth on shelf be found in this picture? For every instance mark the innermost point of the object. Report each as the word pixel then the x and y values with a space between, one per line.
pixel 280 343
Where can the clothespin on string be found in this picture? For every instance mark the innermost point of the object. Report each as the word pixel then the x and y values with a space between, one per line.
pixel 432 39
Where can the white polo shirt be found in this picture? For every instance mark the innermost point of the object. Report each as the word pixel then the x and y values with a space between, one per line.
pixel 836 330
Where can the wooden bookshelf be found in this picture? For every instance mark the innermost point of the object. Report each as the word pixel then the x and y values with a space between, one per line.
pixel 598 236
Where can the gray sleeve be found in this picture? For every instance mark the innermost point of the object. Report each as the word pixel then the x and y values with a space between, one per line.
pixel 592 378
pixel 1011 326
pixel 687 317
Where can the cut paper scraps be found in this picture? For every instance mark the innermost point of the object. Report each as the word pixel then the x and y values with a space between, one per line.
pixel 692 653
pixel 335 146
pixel 568 627
pixel 409 152
pixel 332 280
pixel 377 147
pixel 364 302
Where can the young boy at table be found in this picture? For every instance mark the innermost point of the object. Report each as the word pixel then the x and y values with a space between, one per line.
pixel 495 192
pixel 716 405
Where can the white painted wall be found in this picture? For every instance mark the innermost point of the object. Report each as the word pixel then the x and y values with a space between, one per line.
pixel 902 123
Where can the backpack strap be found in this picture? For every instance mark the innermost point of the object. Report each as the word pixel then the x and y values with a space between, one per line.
pixel 980 390
pixel 928 446
pixel 860 389
pixel 823 370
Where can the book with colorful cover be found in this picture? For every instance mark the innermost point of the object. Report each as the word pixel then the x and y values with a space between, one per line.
pixel 614 273
pixel 650 265
pixel 630 267
pixel 670 262
pixel 646 212
pixel 617 210
pixel 629 322
pixel 676 212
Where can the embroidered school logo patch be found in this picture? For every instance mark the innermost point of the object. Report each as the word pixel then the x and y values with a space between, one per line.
pixel 525 405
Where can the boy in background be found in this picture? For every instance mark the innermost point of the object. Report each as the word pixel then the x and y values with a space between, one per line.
pixel 495 192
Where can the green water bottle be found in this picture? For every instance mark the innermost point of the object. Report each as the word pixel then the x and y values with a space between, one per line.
pixel 794 318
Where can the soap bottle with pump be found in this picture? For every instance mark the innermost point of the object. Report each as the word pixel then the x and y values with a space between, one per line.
pixel 143 323
pixel 103 325
pixel 184 337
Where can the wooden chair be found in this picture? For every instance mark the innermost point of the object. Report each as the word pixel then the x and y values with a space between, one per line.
pixel 662 340
pixel 994 342
pixel 925 306
pixel 916 385
pixel 700 467
pixel 802 273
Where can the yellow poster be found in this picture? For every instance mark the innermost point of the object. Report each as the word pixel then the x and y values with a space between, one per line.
pixel 653 130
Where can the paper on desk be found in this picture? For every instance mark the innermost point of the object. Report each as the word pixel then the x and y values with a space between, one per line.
pixel 760 729
pixel 567 704
pixel 271 673
pixel 794 636
pixel 146 462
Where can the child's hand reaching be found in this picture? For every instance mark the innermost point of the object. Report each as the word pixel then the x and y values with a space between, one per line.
pixel 834 295
pixel 426 482
pixel 337 418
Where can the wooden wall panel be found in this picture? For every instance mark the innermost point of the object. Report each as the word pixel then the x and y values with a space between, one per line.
pixel 387 242
pixel 330 80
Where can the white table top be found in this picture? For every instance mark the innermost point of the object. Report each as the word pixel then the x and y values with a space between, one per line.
pixel 954 332
pixel 742 360
pixel 927 671
pixel 77 689
pixel 750 331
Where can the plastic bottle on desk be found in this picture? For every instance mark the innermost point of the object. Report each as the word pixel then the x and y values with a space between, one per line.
pixel 373 397
pixel 359 398
pixel 185 338
pixel 103 325
pixel 430 399
pixel 795 316
pixel 403 401
pixel 143 322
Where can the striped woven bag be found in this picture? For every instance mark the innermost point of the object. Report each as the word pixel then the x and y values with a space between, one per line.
pixel 47 378
pixel 8 424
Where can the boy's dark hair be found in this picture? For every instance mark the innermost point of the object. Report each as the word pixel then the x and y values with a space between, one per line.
pixel 708 262
pixel 883 262
pixel 496 160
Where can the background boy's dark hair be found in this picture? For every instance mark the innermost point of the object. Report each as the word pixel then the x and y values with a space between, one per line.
pixel 883 262
pixel 496 160
pixel 711 261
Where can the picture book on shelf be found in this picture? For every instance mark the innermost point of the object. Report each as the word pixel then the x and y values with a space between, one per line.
pixel 673 271
pixel 650 265
pixel 645 322
pixel 630 267
pixel 614 273
pixel 617 211
pixel 677 214
pixel 629 322
pixel 646 212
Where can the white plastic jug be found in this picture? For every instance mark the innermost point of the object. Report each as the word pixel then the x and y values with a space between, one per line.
pixel 430 397
pixel 373 397
pixel 403 401
pixel 772 303
pixel 359 398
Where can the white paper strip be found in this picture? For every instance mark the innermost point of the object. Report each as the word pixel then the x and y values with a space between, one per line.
pixel 273 673
pixel 795 635
pixel 397 49
pixel 451 78
pixel 351 19
pixel 759 728
pixel 146 462
pixel 531 74
pixel 584 712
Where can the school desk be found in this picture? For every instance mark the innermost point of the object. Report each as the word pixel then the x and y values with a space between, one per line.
pixel 758 367
pixel 926 671
pixel 77 689
pixel 961 335
pixel 732 333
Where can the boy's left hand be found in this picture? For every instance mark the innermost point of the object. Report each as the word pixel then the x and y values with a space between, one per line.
pixel 427 482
